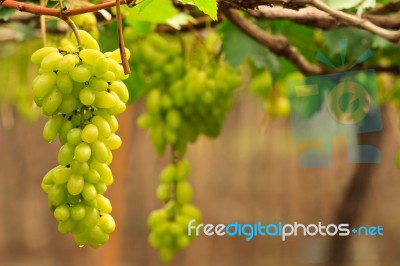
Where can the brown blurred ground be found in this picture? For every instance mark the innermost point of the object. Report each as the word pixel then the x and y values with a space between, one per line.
pixel 249 174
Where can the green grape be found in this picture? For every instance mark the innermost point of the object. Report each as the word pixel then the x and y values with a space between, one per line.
pixel 44 84
pixel 66 154
pixel 103 204
pixel 83 152
pixel 153 101
pixel 104 100
pixel 107 223
pixel 68 104
pixel 91 216
pixel 77 212
pixel 61 175
pixel 184 192
pixel 87 40
pixel 120 89
pixel 99 150
pixel 38 56
pixel 79 168
pixel 67 63
pixel 114 142
pixel 52 127
pixel 80 74
pixel 56 194
pixel 183 170
pixel 173 119
pixel 87 96
pixel 66 226
pixel 163 192
pixel 100 67
pixel 92 176
pixel 103 127
pixel 64 83
pixel 89 192
pixel 89 56
pixel 98 84
pixel 61 213
pixel 168 175
pixel 50 62
pixel 75 184
pixel 100 187
pixel 90 133
pixel 74 136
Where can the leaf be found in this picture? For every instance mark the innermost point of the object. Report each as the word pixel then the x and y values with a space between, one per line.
pixel 6 13
pixel 209 7
pixel 180 19
pixel 153 11
pixel 361 5
pixel 235 54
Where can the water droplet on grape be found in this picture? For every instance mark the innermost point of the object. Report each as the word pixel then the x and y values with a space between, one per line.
pixel 81 246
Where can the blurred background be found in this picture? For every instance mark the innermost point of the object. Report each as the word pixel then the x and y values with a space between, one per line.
pixel 248 174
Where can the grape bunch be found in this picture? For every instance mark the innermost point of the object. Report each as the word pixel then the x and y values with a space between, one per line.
pixel 82 91
pixel 193 105
pixel 169 225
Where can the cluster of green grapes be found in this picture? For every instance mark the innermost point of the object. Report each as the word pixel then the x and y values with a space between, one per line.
pixel 192 102
pixel 81 89
pixel 189 92
pixel 169 225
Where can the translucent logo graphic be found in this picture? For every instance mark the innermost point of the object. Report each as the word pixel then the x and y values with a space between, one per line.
pixel 344 104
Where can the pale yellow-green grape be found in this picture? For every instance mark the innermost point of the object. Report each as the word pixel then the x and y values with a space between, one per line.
pixel 81 91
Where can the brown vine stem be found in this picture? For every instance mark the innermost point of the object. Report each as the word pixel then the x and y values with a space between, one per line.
pixel 121 42
pixel 72 25
pixel 55 12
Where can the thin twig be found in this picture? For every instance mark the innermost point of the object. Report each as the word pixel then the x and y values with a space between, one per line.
pixel 393 36
pixel 121 43
pixel 72 25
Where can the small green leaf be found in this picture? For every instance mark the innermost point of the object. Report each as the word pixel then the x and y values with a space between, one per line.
pixel 154 11
pixel 6 13
pixel 209 7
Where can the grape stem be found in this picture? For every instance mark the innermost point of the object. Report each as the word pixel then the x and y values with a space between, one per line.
pixel 72 25
pixel 121 42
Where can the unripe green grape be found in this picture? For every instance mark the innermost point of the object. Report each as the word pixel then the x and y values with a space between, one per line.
pixel 107 223
pixel 99 151
pixel 66 154
pixel 82 152
pixel 156 217
pixel 120 89
pixel 173 119
pixel 166 254
pixel 75 184
pixel 38 55
pixel 111 120
pixel 100 67
pixel 79 168
pixel 103 127
pixel 118 108
pixel 104 171
pixel 168 174
pixel 192 212
pixel 51 61
pixel 61 213
pixel 80 74
pixel 44 84
pixel 91 216
pixel 97 236
pixel 67 63
pixel 101 187
pixel 116 68
pixel 88 42
pixel 184 192
pixel 81 239
pixel 157 137
pixel 74 136
pixel 104 100
pixel 154 240
pixel 61 175
pixel 52 127
pixel 103 204
pixel 98 84
pixel 64 83
pixel 116 55
pixel 90 133
pixel 66 226
pixel 114 142
pixel 56 194
pixel 163 192
pixel 166 102
pixel 89 192
pixel 68 104
pixel 87 96
pixel 65 128
pixel 147 120
pixel 77 212
pixel 182 170
pixel 89 56
pixel 52 102
pixel 183 241
pixel 92 176
pixel 153 101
